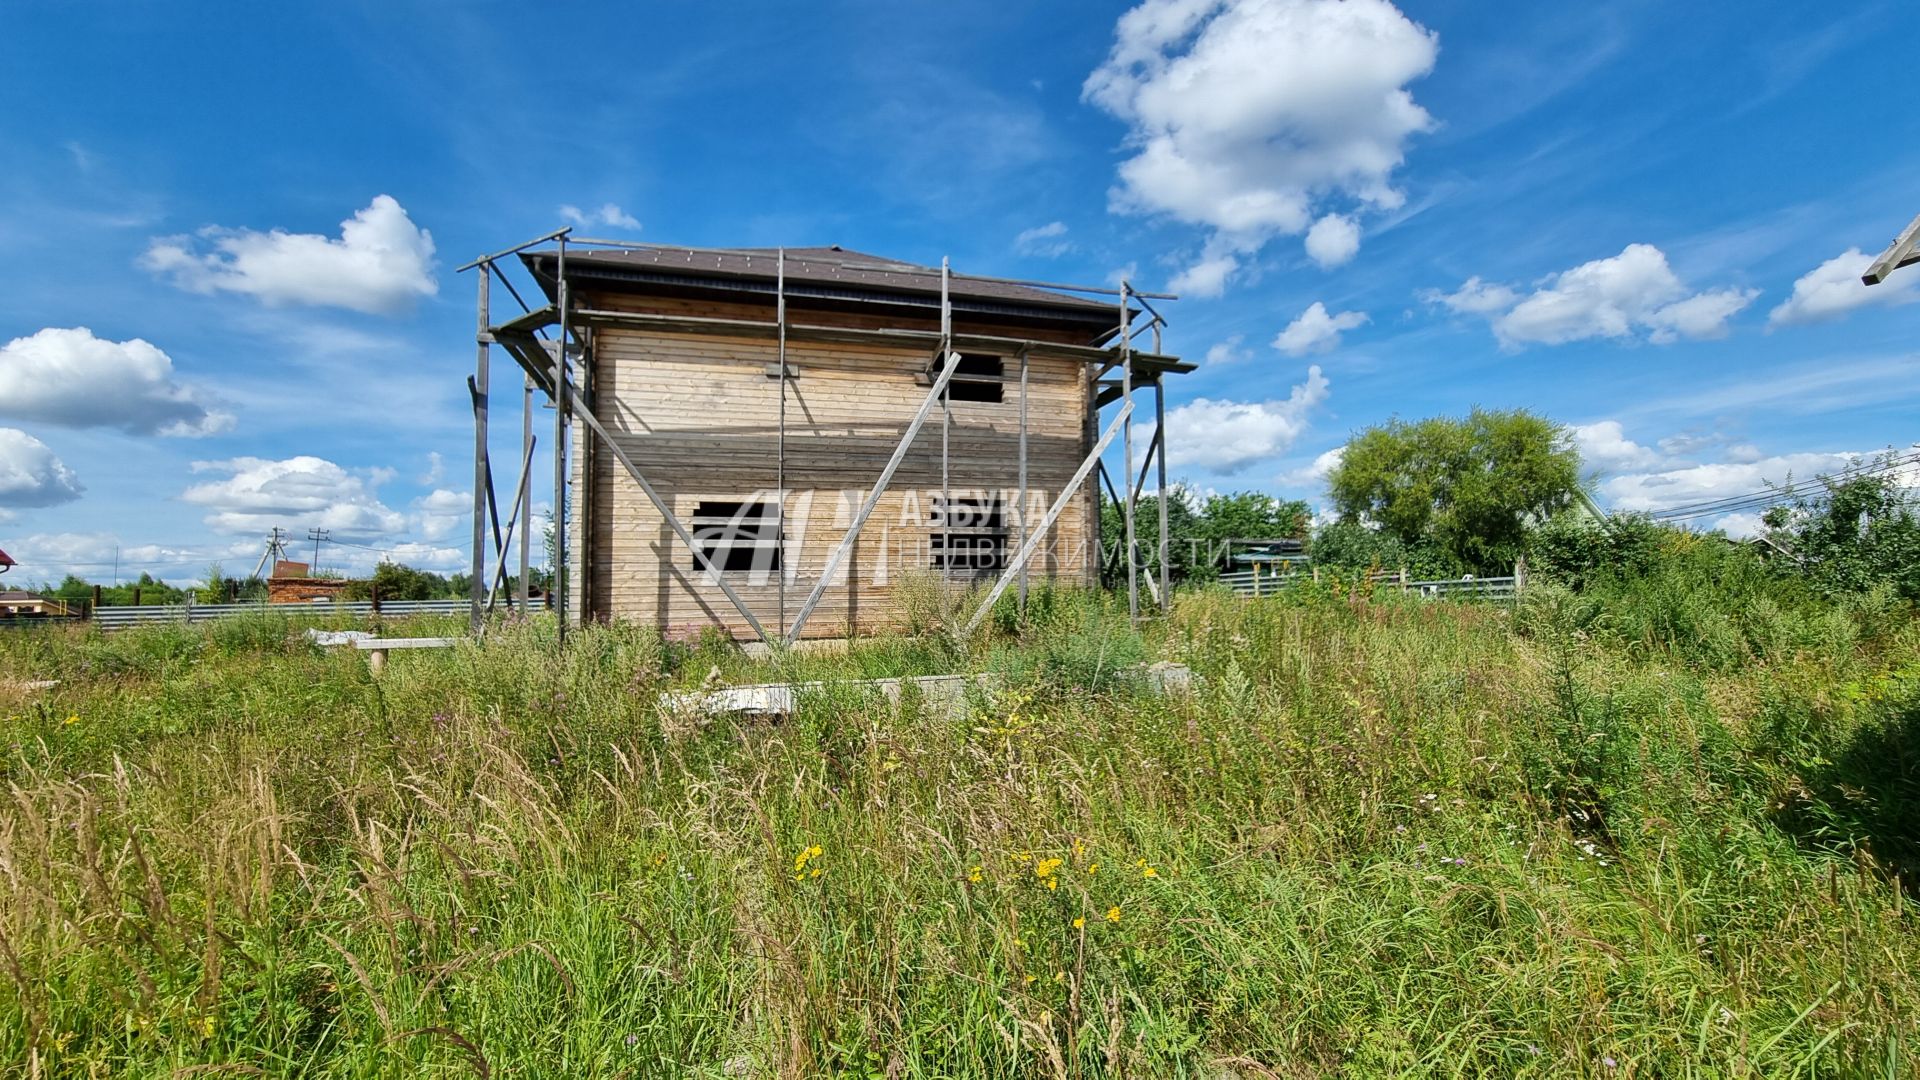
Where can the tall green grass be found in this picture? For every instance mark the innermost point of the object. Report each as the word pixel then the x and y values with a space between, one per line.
pixel 1379 837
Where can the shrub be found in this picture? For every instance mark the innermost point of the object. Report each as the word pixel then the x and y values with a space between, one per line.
pixel 1575 549
pixel 1348 546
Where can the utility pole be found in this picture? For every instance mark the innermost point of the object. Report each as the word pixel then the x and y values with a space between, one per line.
pixel 317 536
pixel 276 549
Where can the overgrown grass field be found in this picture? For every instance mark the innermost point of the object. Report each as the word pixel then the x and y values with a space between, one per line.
pixel 1658 831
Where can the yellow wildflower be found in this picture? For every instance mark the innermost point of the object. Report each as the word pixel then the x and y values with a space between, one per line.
pixel 1046 868
pixel 1092 868
pixel 204 1026
pixel 1053 883
pixel 800 862
pixel 1079 923
pixel 1079 849
pixel 977 874
pixel 1113 914
pixel 1149 872
pixel 73 719
pixel 1028 980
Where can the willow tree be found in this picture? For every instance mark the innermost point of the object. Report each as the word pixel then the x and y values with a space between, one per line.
pixel 1470 487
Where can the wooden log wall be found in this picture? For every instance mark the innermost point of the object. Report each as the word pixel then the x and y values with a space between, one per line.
pixel 699 414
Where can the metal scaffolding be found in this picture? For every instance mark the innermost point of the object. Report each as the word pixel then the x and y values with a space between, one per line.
pixel 560 366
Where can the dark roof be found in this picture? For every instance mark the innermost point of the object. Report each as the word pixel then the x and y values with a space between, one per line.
pixel 828 273
pixel 18 594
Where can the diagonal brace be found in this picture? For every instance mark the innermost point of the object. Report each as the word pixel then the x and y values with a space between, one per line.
pixel 593 423
pixel 1053 512
pixel 513 523
pixel 873 497
pixel 1153 447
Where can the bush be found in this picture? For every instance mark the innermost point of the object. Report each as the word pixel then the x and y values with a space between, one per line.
pixel 398 582
pixel 1576 549
pixel 1346 546
pixel 1851 535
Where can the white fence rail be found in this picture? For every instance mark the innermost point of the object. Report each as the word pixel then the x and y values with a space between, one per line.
pixel 1250 583
pixel 117 618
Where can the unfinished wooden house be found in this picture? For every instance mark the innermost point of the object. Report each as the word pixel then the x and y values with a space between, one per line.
pixel 772 441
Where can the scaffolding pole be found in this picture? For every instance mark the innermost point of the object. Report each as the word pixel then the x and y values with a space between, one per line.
pixel 526 505
pixel 1053 512
pixel 1160 460
pixel 514 516
pixel 562 403
pixel 780 445
pixel 1126 454
pixel 482 498
pixel 946 424
pixel 1096 525
pixel 1020 511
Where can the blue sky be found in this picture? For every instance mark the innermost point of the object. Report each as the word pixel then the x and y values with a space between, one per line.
pixel 1644 220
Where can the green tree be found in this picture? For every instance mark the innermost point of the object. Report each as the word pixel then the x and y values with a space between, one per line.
pixel 1196 528
pixel 397 581
pixel 73 589
pixel 1345 545
pixel 217 586
pixel 1470 487
pixel 1853 533
pixel 1579 550
pixel 151 592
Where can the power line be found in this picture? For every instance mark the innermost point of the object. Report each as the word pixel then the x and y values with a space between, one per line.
pixel 1772 496
pixel 1766 499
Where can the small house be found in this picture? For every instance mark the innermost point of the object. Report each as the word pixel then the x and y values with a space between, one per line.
pixel 18 604
pixel 771 441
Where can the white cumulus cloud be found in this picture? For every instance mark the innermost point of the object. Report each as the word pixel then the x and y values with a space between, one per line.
pixel 256 494
pixel 1473 297
pixel 441 513
pixel 608 214
pixel 30 474
pixel 1333 240
pixel 1834 289
pixel 439 558
pixel 1605 446
pixel 1673 485
pixel 71 378
pixel 1683 485
pixel 1315 331
pixel 1632 294
pixel 1047 241
pixel 1252 117
pixel 52 556
pixel 1316 472
pixel 1228 351
pixel 1225 437
pixel 382 262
